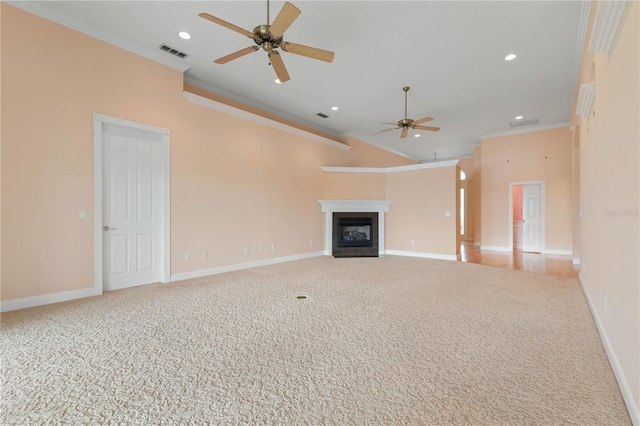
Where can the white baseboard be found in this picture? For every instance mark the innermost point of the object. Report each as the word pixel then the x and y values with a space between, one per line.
pixel 237 267
pixel 559 252
pixel 627 395
pixel 422 254
pixel 47 299
pixel 576 260
pixel 495 248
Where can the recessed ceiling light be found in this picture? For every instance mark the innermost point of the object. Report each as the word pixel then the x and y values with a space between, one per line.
pixel 185 35
pixel 334 108
pixel 519 117
pixel 417 135
pixel 278 81
pixel 510 57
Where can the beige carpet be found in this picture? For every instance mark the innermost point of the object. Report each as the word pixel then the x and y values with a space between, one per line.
pixel 384 341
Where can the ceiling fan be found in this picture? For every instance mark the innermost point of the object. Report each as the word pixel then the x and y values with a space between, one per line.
pixel 407 123
pixel 270 38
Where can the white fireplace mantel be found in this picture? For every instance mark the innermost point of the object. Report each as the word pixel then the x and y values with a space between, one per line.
pixel 356 206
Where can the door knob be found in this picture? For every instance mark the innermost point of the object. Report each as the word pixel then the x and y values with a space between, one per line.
pixel 106 228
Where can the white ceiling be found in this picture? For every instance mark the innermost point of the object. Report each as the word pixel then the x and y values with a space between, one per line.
pixel 450 53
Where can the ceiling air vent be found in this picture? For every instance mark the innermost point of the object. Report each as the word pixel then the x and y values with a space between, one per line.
pixel 321 115
pixel 520 123
pixel 173 51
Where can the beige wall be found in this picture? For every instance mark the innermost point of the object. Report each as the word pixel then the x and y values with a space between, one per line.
pixel 353 186
pixel 234 183
pixel 544 155
pixel 609 192
pixel 420 199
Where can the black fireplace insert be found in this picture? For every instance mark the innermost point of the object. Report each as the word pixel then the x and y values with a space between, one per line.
pixel 355 234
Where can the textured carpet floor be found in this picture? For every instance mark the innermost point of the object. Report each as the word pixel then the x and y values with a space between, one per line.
pixel 376 341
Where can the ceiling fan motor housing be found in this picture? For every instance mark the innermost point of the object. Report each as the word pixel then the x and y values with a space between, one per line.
pixel 262 36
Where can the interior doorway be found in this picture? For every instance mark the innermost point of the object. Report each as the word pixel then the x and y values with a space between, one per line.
pixel 526 216
pixel 131 204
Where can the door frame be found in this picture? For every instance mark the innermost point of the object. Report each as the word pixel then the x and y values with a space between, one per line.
pixel 99 121
pixel 542 207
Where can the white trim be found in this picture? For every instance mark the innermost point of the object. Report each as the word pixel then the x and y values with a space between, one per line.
pixel 408 168
pixel 586 98
pixel 422 254
pixel 455 157
pixel 240 266
pixel 47 299
pixel 558 252
pixel 627 395
pixel 527 130
pixel 158 56
pixel 605 25
pixel 99 121
pixel 237 112
pixel 576 260
pixel 543 207
pixel 582 35
pixel 495 248
pixel 354 205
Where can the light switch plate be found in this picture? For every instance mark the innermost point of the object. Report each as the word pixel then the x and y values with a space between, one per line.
pixel 82 214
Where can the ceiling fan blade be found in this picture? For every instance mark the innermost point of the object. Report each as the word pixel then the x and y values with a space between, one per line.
pixel 433 129
pixel 392 124
pixel 405 131
pixel 422 120
pixel 236 55
pixel 278 66
pixel 386 130
pixel 310 52
pixel 285 18
pixel 226 24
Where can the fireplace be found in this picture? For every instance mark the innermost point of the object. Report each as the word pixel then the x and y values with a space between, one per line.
pixel 355 209
pixel 355 234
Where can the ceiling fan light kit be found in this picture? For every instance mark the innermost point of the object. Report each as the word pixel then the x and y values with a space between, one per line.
pixel 270 38
pixel 407 123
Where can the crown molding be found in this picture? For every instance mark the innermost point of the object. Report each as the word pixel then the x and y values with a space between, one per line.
pixel 586 99
pixel 528 130
pixel 606 23
pixel 582 35
pixel 43 12
pixel 394 169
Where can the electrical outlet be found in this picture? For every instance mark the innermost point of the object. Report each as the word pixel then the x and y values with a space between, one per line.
pixel 273 247
pixel 261 247
pixel 205 254
pixel 82 214
pixel 412 242
pixel 310 242
pixel 187 257
pixel 246 250
pixel 604 302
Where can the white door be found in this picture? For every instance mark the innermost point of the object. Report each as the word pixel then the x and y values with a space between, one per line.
pixel 132 208
pixel 532 216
